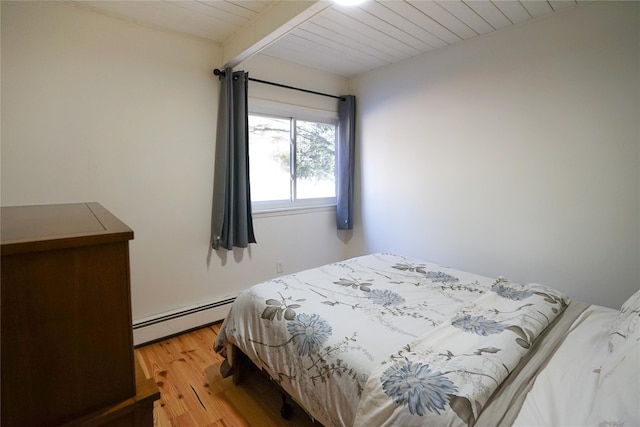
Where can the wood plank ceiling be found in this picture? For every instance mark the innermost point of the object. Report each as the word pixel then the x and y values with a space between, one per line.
pixel 344 40
pixel 215 20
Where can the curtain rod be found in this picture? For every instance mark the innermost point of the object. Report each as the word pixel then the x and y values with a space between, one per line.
pixel 218 72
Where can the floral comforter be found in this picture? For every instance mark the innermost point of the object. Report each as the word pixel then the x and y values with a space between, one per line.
pixel 386 339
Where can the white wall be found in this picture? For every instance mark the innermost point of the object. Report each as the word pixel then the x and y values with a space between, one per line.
pixel 98 109
pixel 271 69
pixel 513 154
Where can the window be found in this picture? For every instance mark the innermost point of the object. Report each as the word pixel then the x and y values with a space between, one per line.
pixel 292 161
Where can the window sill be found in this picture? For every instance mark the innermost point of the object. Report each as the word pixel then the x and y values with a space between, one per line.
pixel 291 210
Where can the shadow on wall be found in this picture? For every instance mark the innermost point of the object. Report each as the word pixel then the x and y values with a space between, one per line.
pixel 223 255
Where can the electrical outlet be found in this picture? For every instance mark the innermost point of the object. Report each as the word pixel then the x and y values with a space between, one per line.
pixel 279 266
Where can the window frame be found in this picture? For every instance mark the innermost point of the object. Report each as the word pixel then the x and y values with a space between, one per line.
pixel 277 110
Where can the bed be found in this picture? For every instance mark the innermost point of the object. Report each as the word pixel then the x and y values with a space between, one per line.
pixel 386 339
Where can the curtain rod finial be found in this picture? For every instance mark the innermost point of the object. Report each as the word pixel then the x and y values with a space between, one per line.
pixel 218 72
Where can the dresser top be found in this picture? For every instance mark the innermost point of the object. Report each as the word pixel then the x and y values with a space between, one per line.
pixel 49 227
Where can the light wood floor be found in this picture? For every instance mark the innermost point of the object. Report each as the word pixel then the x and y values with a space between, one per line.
pixel 192 392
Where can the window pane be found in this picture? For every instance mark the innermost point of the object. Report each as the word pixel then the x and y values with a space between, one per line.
pixel 269 154
pixel 316 160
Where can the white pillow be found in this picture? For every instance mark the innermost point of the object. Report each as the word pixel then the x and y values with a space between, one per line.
pixel 627 323
pixel 617 399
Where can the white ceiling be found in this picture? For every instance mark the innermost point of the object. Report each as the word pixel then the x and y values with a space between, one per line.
pixel 338 39
pixel 215 20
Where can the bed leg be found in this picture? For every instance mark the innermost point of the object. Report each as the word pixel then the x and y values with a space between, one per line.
pixel 233 362
pixel 286 410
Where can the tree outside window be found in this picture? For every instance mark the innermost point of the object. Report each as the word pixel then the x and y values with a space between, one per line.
pixel 291 160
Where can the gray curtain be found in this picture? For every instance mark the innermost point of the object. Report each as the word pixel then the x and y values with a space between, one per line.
pixel 345 161
pixel 232 224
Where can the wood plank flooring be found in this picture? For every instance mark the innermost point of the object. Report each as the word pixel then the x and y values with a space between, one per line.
pixel 192 392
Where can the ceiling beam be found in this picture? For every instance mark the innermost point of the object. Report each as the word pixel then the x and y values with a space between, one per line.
pixel 273 23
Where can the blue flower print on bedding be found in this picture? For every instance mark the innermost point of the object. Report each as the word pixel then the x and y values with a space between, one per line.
pixel 478 325
pixel 440 277
pixel 308 332
pixel 385 297
pixel 512 293
pixel 418 386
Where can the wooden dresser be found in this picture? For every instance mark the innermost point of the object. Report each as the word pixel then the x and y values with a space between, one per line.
pixel 67 341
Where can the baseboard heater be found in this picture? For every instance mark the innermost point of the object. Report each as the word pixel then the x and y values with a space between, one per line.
pixel 172 323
